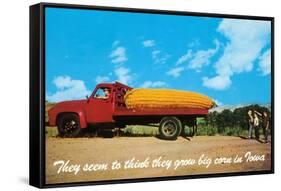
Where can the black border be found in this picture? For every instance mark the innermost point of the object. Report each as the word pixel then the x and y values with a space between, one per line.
pixel 37 93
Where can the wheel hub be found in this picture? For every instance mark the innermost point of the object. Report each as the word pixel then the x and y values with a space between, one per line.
pixel 70 126
pixel 169 128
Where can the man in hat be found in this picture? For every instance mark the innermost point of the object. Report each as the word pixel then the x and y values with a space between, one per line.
pixel 105 94
pixel 251 123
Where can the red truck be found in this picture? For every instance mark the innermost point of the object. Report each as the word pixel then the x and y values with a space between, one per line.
pixel 110 111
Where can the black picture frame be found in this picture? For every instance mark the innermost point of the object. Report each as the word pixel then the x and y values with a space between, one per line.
pixel 37 93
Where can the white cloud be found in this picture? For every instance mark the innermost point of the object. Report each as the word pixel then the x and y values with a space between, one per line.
pixel 62 82
pixel 265 62
pixel 115 43
pixel 184 57
pixel 155 54
pixel 246 40
pixel 156 84
pixel 118 55
pixel 68 89
pixel 217 82
pixel 196 59
pixel 162 60
pixel 202 57
pixel 218 103
pixel 194 43
pixel 148 43
pixel 123 75
pixel 102 79
pixel 199 58
pixel 175 72
pixel 159 58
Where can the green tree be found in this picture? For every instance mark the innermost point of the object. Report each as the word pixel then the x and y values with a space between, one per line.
pixel 233 121
pixel 212 119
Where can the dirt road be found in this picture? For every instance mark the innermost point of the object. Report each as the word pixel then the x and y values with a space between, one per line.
pixel 150 151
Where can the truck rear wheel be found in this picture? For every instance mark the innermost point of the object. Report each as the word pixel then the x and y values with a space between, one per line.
pixel 69 125
pixel 170 128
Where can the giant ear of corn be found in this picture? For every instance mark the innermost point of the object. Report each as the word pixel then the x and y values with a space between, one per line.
pixel 166 98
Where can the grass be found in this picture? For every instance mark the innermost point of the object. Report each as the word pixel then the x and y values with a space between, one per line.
pixel 206 130
pixel 141 130
pixel 51 131
pixel 47 107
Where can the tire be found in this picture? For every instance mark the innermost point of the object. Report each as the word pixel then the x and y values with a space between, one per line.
pixel 170 128
pixel 69 125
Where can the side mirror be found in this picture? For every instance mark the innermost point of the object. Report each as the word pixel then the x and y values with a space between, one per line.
pixel 87 97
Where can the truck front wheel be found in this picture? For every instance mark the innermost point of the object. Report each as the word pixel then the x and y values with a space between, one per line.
pixel 68 125
pixel 170 128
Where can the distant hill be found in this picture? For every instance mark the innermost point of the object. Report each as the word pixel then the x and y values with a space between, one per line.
pixel 233 107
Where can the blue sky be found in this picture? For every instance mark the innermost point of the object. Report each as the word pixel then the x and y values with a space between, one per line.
pixel 227 59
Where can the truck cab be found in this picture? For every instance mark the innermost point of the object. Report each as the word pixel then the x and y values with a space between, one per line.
pixel 98 108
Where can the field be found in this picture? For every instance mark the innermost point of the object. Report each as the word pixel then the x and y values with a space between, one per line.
pixel 98 150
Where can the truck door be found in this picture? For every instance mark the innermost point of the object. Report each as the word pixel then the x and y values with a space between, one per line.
pixel 99 106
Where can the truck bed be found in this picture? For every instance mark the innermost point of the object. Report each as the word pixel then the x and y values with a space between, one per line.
pixel 160 111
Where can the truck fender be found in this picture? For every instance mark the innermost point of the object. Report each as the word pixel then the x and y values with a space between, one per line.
pixel 82 119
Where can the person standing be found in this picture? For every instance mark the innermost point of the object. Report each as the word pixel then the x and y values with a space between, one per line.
pixel 251 122
pixel 256 126
pixel 265 121
pixel 265 124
